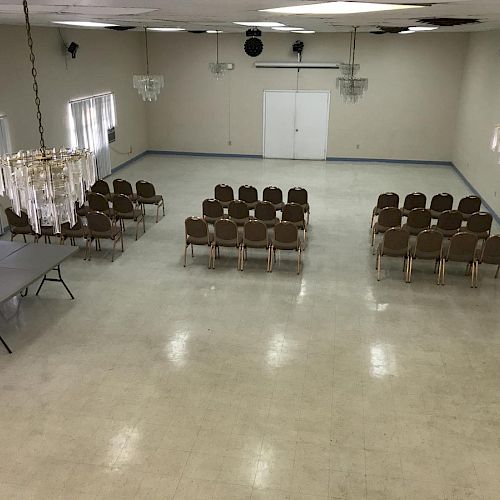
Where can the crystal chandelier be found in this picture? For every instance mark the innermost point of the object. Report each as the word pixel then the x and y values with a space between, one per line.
pixel 351 86
pixel 217 68
pixel 148 86
pixel 46 183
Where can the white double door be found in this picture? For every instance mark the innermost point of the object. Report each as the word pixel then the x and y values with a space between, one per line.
pixel 296 124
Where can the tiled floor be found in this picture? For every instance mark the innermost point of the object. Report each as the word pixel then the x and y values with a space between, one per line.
pixel 182 383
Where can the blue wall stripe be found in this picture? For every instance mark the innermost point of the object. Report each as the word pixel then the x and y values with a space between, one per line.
pixel 192 153
pixel 128 162
pixel 389 160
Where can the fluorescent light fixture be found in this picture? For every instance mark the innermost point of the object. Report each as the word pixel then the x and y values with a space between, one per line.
pixel 335 8
pixel 260 24
pixel 423 28
pixel 166 29
pixel 214 31
pixel 85 24
pixel 406 32
pixel 304 31
pixel 286 28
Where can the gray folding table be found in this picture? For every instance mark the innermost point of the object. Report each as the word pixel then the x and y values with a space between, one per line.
pixel 22 264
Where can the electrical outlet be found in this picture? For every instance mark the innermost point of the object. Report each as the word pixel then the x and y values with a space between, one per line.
pixel 357 146
pixel 229 143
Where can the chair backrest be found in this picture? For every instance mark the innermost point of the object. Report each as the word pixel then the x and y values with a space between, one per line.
pixel 225 230
pixel 490 253
pixel 212 208
pixel 265 211
pixel 121 186
pixel 287 233
pixel 441 202
pixel 480 222
pixel 428 244
pixel 15 220
pixel 145 189
pixel 388 200
pixel 101 187
pixel 390 217
pixel 395 242
pixel 248 194
pixel 450 220
pixel 122 204
pixel 469 204
pixel 415 200
pixel 272 194
pixel 293 212
pixel 255 231
pixel 238 209
pixel 419 218
pixel 297 195
pixel 196 227
pixel 462 247
pixel 224 193
pixel 97 202
pixel 98 222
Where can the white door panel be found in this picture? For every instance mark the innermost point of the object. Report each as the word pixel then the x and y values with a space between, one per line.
pixel 279 118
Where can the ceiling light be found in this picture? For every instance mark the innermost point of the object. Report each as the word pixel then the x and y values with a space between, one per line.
pixel 423 28
pixel 166 29
pixel 85 24
pixel 286 28
pixel 340 8
pixel 405 32
pixel 304 31
pixel 260 24
pixel 214 31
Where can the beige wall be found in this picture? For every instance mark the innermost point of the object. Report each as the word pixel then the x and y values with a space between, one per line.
pixel 408 112
pixel 479 112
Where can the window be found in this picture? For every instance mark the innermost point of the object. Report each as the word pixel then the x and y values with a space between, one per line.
pixel 90 120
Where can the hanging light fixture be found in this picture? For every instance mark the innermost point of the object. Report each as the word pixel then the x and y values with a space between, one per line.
pixel 46 183
pixel 217 68
pixel 351 86
pixel 148 86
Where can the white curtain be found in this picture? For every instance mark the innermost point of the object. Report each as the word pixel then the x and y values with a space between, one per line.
pixel 90 120
pixel 5 147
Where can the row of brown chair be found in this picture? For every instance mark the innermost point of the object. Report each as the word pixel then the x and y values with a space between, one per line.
pixel 249 194
pixel 431 245
pixel 419 219
pixel 255 235
pixel 440 203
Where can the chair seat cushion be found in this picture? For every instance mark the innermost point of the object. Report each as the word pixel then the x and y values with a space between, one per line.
pixel 154 200
pixel 111 234
pixel 21 230
pixel 229 243
pixel 286 246
pixel 134 215
pixel 435 214
pixel 271 223
pixel 256 244
pixel 203 240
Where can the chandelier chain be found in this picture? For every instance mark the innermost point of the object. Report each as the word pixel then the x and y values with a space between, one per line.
pixel 34 73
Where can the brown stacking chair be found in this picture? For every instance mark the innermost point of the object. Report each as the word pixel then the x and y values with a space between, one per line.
pixel 238 212
pixel 299 195
pixel 286 237
pixel 387 218
pixel 428 246
pixel 124 209
pixel 224 194
pixel 480 224
pixel 418 220
pixel 100 227
pixel 274 195
pixel 226 234
pixel 47 232
pixel 249 195
pixel 146 195
pixel 489 254
pixel 294 213
pixel 469 205
pixel 394 244
pixel 441 203
pixel 212 210
pixel 449 223
pixel 255 236
pixel 197 233
pixel 413 200
pixel 462 248
pixel 78 230
pixel 121 186
pixel 81 210
pixel 385 200
pixel 266 213
pixel 99 203
pixel 19 224
pixel 102 187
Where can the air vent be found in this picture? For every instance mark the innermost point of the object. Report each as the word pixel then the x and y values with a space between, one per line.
pixel 120 28
pixel 383 30
pixel 449 21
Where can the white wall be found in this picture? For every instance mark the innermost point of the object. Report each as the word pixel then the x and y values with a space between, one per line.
pixel 479 111
pixel 414 84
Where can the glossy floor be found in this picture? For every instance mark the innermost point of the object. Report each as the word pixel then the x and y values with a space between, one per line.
pixel 166 382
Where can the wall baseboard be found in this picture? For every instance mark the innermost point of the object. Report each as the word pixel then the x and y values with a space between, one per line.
pixel 193 153
pixel 129 161
pixel 389 160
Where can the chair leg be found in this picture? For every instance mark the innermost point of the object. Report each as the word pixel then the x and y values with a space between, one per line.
pixel 443 271
pixel 89 255
pixel 163 206
pixel 209 256
pixel 121 240
pixel 476 274
pixel 379 259
pixel 214 255
pixel 299 260
pixel 496 274
pixel 271 253
pixel 373 237
pixel 136 230
pixel 113 252
pixel 192 251
pixel 373 218
pixel 241 257
pixel 24 237
pixel 185 254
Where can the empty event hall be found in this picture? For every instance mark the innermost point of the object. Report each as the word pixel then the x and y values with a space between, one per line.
pixel 250 250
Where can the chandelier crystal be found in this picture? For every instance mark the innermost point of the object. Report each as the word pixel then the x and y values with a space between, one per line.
pixel 148 86
pixel 351 87
pixel 218 68
pixel 46 183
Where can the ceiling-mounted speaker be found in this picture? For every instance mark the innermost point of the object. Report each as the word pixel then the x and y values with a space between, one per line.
pixel 298 47
pixel 254 47
pixel 73 49
pixel 254 32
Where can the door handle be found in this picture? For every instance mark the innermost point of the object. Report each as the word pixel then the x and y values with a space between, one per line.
pixel 296 130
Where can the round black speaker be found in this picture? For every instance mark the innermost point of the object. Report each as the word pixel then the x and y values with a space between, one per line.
pixel 254 47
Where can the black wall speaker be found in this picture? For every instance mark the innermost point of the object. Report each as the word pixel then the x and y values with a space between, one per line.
pixel 254 47
pixel 73 49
